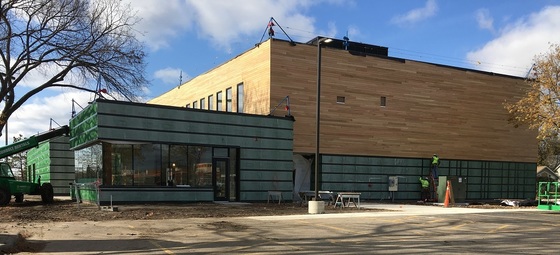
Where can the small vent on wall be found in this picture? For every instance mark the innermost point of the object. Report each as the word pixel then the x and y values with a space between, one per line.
pixel 340 100
pixel 383 101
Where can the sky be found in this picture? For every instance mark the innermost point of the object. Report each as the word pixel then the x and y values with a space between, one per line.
pixel 184 38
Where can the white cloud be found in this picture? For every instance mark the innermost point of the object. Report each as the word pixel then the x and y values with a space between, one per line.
pixel 43 73
pixel 227 22
pixel 484 19
pixel 162 21
pixel 417 15
pixel 513 51
pixel 171 75
pixel 332 30
pixel 223 23
pixel 35 115
pixel 353 32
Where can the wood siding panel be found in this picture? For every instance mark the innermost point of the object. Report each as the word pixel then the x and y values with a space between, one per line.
pixel 430 108
pixel 454 112
pixel 251 68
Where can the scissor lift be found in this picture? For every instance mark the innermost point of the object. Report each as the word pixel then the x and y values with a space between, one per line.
pixel 549 196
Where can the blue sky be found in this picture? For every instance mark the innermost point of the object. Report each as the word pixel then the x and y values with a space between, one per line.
pixel 193 36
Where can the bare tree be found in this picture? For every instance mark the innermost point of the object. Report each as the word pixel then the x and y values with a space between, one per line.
pixel 85 38
pixel 18 161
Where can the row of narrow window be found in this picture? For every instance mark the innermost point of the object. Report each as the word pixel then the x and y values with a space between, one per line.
pixel 219 101
pixel 241 99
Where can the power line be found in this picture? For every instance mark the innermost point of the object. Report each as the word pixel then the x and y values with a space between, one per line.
pixel 435 58
pixel 481 63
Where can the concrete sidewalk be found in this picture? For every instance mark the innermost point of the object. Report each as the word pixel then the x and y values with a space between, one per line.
pixel 279 234
pixel 387 210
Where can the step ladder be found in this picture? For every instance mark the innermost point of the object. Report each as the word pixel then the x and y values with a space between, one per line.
pixel 433 186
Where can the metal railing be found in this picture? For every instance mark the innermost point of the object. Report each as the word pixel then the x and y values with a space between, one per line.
pixel 85 192
pixel 548 196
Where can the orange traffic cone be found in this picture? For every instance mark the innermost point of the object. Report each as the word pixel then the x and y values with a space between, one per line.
pixel 446 202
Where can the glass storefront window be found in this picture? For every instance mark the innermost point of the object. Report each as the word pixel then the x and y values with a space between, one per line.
pixel 177 173
pixel 121 164
pixel 232 173
pixel 151 164
pixel 88 162
pixel 147 164
pixel 200 166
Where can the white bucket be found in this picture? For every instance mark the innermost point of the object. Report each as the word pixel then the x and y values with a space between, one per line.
pixel 316 207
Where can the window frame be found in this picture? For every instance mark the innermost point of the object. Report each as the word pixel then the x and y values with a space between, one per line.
pixel 240 98
pixel 219 102
pixel 229 99
pixel 203 103
pixel 210 102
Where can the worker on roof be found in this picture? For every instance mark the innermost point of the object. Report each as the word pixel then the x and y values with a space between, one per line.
pixel 435 165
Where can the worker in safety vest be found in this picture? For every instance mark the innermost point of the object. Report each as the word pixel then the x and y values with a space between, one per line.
pixel 435 164
pixel 425 188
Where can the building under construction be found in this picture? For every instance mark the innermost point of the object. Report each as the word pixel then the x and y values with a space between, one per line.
pixel 248 129
pixel 381 118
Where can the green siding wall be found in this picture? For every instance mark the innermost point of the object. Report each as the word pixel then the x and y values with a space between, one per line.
pixel 54 163
pixel 369 175
pixel 265 142
pixel 40 157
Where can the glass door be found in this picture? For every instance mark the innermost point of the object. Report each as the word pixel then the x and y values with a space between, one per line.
pixel 220 173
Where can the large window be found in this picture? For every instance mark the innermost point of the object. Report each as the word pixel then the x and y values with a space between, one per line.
pixel 219 101
pixel 88 163
pixel 121 164
pixel 200 166
pixel 240 97
pixel 176 170
pixel 147 164
pixel 203 103
pixel 228 100
pixel 211 102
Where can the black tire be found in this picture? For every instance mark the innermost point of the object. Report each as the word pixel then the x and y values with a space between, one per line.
pixel 47 193
pixel 5 197
pixel 19 198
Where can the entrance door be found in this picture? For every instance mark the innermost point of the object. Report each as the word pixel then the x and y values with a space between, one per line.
pixel 220 180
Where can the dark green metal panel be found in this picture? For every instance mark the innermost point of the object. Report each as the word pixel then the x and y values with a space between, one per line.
pixel 265 142
pixel 484 180
pixel 54 163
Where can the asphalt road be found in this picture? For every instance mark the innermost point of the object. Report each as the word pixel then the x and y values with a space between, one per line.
pixel 403 230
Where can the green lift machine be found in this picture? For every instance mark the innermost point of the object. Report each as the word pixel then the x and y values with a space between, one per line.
pixel 9 186
pixel 549 196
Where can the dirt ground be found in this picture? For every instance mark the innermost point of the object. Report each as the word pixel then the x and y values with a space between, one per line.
pixel 66 210
pixel 33 210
